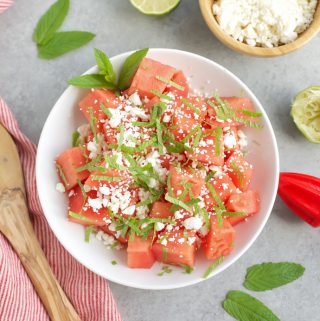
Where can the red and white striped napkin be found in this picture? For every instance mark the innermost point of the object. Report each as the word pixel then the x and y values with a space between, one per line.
pixel 5 4
pixel 89 293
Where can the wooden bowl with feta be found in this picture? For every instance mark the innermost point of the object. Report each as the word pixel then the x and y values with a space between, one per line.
pixel 262 28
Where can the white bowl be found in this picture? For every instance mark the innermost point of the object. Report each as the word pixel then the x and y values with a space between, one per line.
pixel 65 117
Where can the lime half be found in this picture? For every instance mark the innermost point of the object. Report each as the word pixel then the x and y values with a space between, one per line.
pixel 155 7
pixel 305 112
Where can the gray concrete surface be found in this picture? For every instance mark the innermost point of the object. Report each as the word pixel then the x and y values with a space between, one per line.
pixel 31 87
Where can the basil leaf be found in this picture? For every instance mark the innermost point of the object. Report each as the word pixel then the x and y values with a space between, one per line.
pixel 245 307
pixel 105 65
pixel 50 22
pixel 267 276
pixel 91 81
pixel 130 67
pixel 63 42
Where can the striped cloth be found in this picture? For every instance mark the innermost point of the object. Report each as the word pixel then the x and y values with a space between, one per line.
pixel 5 4
pixel 89 293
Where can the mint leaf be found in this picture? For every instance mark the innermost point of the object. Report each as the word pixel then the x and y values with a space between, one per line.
pixel 245 307
pixel 91 81
pixel 76 139
pixel 130 67
pixel 267 276
pixel 105 65
pixel 50 22
pixel 63 42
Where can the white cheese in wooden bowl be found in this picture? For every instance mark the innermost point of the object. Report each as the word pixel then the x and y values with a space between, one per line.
pixel 264 23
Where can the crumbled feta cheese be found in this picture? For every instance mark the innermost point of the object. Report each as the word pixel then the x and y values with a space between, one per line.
pixel 164 242
pixel 159 226
pixel 71 193
pixel 265 23
pixel 60 188
pixel 135 99
pixel 95 203
pixel 93 148
pixel 181 240
pixel 115 120
pixel 105 190
pixel 178 215
pixel 129 210
pixel 229 140
pixel 193 223
pixel 166 118
pixel 191 240
pixel 142 211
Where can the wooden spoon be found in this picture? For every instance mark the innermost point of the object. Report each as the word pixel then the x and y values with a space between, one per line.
pixel 15 224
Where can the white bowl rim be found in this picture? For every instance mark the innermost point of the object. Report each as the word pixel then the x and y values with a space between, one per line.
pixel 254 236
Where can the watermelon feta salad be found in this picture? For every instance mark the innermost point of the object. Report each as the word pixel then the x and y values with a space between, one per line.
pixel 158 171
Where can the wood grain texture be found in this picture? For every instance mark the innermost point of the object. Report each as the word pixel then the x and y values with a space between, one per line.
pixel 304 37
pixel 16 226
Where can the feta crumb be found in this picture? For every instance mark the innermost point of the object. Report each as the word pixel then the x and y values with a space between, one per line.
pixel 265 23
pixel 60 188
pixel 135 99
pixel 159 226
pixel 129 210
pixel 193 223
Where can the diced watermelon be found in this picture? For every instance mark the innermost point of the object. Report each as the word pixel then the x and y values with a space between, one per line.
pixel 185 118
pixel 179 179
pixel 168 159
pixel 209 151
pixel 239 170
pixel 161 210
pixel 219 241
pixel 140 254
pixel 76 204
pixel 247 202
pixel 93 100
pixel 145 81
pixel 223 186
pixel 178 248
pixel 180 79
pixel 68 162
pixel 238 104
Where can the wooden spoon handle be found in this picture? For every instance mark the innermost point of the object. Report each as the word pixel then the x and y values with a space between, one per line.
pixel 16 226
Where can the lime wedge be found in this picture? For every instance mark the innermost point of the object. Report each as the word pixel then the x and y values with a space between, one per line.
pixel 155 7
pixel 305 112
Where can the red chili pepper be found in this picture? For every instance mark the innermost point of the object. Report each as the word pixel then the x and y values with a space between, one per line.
pixel 301 193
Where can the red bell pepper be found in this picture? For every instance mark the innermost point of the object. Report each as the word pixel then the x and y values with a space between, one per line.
pixel 301 193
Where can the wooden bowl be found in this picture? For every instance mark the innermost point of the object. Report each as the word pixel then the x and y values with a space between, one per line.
pixel 303 38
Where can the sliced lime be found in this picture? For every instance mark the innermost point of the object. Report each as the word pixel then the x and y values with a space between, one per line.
pixel 155 7
pixel 305 112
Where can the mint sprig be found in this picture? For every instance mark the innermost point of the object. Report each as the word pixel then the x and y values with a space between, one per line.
pixel 267 276
pixel 50 22
pixel 244 307
pixel 130 67
pixel 106 78
pixel 63 42
pixel 52 44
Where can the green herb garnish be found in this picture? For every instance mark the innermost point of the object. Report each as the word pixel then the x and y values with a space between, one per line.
pixel 130 67
pixel 114 262
pixel 245 307
pixel 194 108
pixel 93 123
pixel 51 43
pixel 170 82
pixel 87 233
pixel 212 267
pixel 215 196
pixel 187 269
pixel 178 202
pixel 267 276
pixel 238 173
pixel 250 113
pixel 106 178
pixel 105 66
pixel 209 176
pixel 105 110
pixel 165 269
pixel 218 133
pixel 76 139
pixel 61 173
pixel 82 189
pixel 81 217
